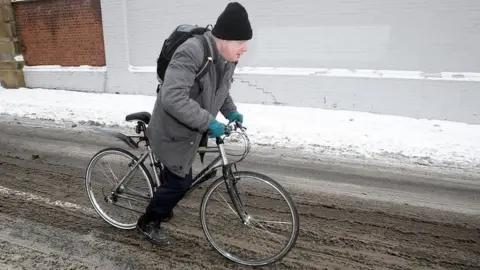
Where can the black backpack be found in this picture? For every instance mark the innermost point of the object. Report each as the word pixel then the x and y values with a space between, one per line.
pixel 176 38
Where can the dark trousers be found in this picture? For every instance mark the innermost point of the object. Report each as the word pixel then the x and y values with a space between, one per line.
pixel 171 191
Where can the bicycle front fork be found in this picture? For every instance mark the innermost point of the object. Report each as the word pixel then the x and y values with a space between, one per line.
pixel 231 184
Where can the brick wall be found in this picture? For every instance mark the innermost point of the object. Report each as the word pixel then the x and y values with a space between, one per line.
pixel 61 32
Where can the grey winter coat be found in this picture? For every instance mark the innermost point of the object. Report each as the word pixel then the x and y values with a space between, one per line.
pixel 179 119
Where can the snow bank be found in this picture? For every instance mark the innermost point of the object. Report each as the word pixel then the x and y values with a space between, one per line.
pixel 312 130
pixel 344 73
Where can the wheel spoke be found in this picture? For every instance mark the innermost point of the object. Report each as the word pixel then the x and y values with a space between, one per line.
pixel 265 229
pixel 106 175
pixel 229 206
pixel 272 222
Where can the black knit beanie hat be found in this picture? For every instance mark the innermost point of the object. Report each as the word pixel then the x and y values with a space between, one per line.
pixel 233 23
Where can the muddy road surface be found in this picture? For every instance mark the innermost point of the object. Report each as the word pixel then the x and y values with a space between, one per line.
pixel 353 215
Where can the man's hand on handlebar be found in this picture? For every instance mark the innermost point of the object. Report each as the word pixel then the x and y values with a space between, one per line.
pixel 217 129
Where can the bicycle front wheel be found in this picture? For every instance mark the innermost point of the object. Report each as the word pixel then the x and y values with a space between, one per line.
pixel 267 227
pixel 122 207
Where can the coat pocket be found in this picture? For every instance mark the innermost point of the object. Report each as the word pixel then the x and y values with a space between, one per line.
pixel 176 155
pixel 177 131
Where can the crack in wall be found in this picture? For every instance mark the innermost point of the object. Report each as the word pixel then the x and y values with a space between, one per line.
pixel 275 101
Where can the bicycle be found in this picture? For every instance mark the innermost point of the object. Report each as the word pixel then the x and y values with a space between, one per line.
pixel 231 178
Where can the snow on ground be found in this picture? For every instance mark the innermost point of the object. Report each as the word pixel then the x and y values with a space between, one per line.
pixel 314 131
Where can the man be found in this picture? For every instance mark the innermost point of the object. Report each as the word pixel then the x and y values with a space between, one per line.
pixel 180 116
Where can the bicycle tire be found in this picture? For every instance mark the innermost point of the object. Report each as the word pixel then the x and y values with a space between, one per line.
pixel 93 201
pixel 287 198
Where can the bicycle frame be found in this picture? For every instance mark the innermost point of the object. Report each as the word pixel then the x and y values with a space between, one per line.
pixel 220 161
pixel 203 176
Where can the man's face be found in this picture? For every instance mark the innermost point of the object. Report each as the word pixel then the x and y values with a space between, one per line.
pixel 233 49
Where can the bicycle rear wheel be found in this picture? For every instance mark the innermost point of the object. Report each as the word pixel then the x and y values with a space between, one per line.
pixel 121 209
pixel 270 224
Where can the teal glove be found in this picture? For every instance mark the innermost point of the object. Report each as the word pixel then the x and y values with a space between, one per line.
pixel 232 116
pixel 216 128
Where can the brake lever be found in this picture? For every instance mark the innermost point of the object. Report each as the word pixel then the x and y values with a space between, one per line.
pixel 239 125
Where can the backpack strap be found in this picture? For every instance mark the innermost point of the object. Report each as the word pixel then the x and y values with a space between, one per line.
pixel 207 61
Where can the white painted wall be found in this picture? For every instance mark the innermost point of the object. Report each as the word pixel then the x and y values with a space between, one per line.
pixel 83 78
pixel 412 58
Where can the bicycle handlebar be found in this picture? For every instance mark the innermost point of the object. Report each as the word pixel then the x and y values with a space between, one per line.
pixel 237 125
pixel 229 129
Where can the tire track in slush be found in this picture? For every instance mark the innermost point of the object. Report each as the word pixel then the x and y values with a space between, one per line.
pixel 347 239
pixel 39 199
pixel 90 239
pixel 43 205
pixel 331 235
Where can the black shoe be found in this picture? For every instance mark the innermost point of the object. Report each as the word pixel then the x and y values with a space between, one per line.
pixel 151 230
